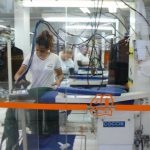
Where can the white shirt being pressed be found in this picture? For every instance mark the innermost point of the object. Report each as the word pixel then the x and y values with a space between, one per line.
pixel 82 58
pixel 43 71
pixel 65 65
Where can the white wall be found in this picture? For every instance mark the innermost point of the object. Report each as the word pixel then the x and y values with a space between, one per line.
pixel 140 82
pixel 22 28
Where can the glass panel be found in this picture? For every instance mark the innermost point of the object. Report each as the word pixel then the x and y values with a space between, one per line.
pixel 101 47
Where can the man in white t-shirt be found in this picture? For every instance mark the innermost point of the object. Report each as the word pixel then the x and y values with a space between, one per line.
pixel 66 61
pixel 82 57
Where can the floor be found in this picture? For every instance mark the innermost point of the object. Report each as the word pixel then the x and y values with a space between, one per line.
pixel 78 123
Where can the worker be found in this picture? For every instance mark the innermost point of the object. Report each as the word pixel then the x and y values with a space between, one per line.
pixel 45 64
pixel 45 72
pixel 67 63
pixel 82 58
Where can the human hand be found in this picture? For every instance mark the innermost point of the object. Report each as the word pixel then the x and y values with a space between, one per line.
pixel 57 83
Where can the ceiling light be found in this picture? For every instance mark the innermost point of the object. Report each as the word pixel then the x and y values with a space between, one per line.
pixel 70 3
pixel 85 10
pixel 2 26
pixel 77 19
pixel 13 29
pixel 6 27
pixel 112 9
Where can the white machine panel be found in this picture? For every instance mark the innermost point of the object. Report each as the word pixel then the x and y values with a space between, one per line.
pixel 114 147
pixel 117 131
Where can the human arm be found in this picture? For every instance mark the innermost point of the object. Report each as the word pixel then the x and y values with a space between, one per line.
pixel 58 72
pixel 59 76
pixel 22 69
pixel 20 72
pixel 82 64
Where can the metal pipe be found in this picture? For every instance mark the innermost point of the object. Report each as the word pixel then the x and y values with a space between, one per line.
pixel 9 66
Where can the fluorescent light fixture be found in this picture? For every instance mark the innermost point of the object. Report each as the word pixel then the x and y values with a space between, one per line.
pixel 89 27
pixel 70 3
pixel 85 10
pixel 4 27
pixel 77 19
pixel 112 9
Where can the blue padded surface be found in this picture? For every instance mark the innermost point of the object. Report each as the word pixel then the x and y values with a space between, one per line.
pixel 116 86
pixel 48 97
pixel 88 68
pixel 49 142
pixel 103 90
pixel 85 77
pixel 88 86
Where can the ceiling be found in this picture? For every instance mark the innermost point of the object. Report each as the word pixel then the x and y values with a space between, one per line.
pixel 7 10
pixel 7 13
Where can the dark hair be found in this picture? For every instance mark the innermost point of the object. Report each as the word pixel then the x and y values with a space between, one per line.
pixel 45 39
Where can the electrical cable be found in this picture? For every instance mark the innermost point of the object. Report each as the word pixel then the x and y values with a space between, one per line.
pixel 124 17
pixel 136 12
pixel 103 38
pixel 50 27
pixel 32 53
pixel 118 19
pixel 96 26
pixel 92 60
pixel 34 41
pixel 117 30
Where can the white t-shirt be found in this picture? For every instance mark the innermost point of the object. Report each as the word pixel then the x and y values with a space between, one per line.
pixel 65 65
pixel 82 58
pixel 42 71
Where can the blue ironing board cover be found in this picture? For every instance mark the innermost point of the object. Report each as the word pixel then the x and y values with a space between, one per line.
pixel 85 77
pixel 89 68
pixel 103 90
pixel 48 142
pixel 49 97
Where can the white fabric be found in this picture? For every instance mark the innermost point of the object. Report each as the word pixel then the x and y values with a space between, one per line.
pixel 82 58
pixel 65 65
pixel 42 71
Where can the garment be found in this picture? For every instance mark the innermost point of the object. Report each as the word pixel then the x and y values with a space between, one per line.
pixel 42 71
pixel 66 65
pixel 119 63
pixel 82 58
pixel 16 61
